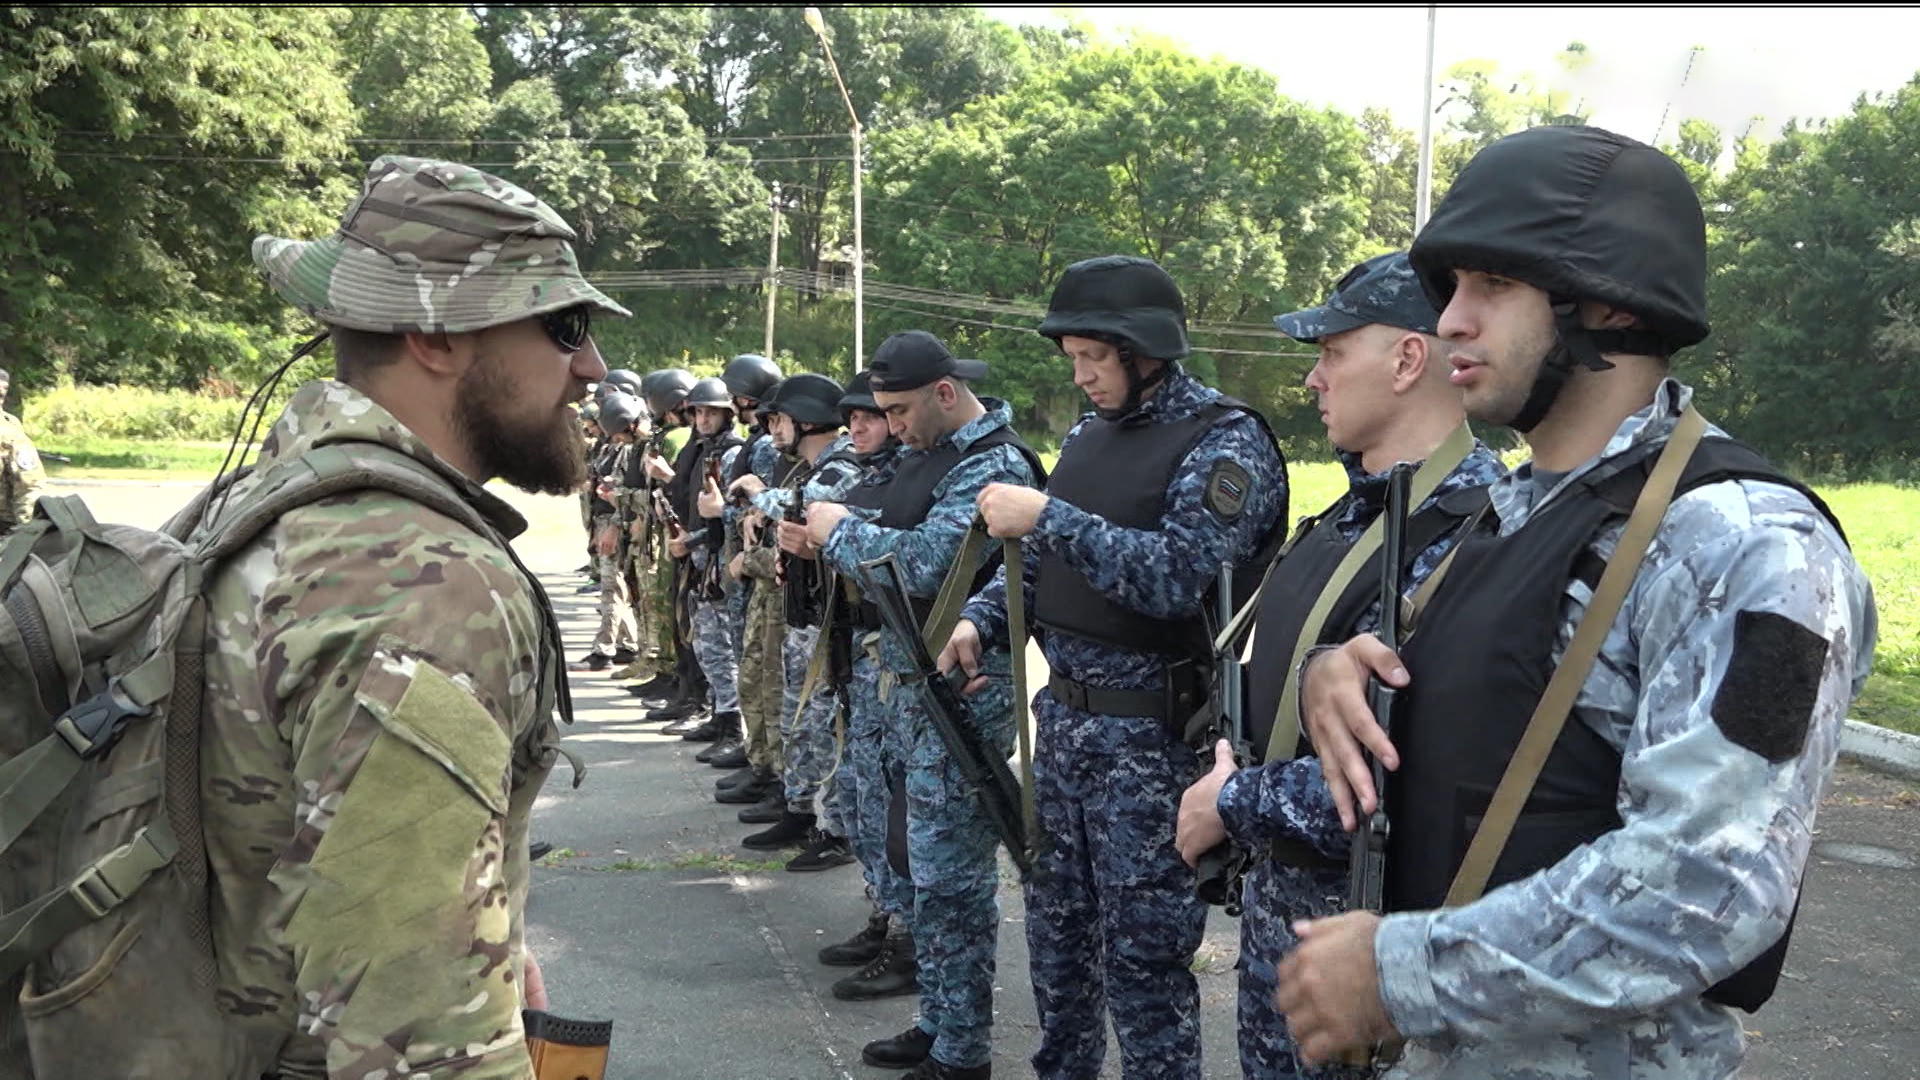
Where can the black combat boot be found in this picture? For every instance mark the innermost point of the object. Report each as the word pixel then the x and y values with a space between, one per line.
pixel 911 1047
pixel 592 662
pixel 758 786
pixel 726 728
pixel 660 687
pixel 892 973
pixel 771 808
pixel 623 657
pixel 695 718
pixel 861 947
pixel 824 851
pixel 933 1069
pixel 791 830
pixel 681 710
pixel 728 755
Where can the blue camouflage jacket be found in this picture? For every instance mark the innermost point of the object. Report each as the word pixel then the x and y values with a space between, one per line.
pixel 1162 572
pixel 927 551
pixel 1595 966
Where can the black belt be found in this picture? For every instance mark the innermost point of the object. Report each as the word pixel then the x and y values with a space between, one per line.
pixel 1179 699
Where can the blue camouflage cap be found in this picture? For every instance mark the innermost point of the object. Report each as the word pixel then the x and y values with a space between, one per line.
pixel 1384 289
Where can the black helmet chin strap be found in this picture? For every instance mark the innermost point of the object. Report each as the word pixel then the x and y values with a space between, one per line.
pixel 1574 344
pixel 1137 384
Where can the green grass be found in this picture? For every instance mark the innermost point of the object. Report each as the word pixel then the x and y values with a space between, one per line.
pixel 95 457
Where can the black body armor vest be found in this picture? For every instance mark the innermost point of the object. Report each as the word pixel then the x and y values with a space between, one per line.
pixel 1481 658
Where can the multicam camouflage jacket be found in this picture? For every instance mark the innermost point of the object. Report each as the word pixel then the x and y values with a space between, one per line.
pixel 376 732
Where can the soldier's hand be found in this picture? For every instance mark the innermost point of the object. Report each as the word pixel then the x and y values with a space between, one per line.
pixel 658 468
pixel 536 988
pixel 1333 706
pixel 750 530
pixel 677 546
pixel 963 651
pixel 821 519
pixel 796 541
pixel 637 530
pixel 711 503
pixel 737 567
pixel 1010 509
pixel 604 490
pixel 1199 828
pixel 607 540
pixel 748 485
pixel 1330 988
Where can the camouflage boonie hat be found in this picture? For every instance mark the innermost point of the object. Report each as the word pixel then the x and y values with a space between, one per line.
pixel 435 247
pixel 1384 290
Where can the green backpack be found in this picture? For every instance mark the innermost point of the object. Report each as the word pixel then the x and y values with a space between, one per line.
pixel 106 960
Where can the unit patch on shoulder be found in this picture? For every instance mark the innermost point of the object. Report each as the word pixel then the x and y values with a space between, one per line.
pixel 1228 486
pixel 1766 700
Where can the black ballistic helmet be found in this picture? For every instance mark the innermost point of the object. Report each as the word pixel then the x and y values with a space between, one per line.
pixel 622 380
pixel 710 392
pixel 665 390
pixel 750 376
pixel 809 399
pixel 763 408
pixel 620 412
pixel 1120 296
pixel 1583 214
pixel 859 395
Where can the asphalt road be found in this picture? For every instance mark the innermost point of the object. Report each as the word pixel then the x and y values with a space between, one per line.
pixel 702 953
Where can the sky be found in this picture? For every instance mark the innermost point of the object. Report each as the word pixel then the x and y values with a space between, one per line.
pixel 1775 63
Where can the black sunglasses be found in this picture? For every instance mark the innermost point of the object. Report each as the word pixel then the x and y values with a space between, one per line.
pixel 568 327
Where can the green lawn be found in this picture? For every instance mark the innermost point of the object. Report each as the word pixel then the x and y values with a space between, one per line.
pixel 1882 520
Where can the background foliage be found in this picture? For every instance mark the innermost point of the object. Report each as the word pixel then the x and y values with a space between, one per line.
pixel 145 147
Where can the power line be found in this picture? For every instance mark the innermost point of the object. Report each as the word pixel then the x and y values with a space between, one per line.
pixel 584 140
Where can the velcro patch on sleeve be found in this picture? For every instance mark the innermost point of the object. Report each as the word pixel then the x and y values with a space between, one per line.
pixel 1766 700
pixel 1228 487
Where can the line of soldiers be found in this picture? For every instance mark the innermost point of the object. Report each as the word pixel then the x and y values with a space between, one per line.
pixel 21 472
pixel 1657 819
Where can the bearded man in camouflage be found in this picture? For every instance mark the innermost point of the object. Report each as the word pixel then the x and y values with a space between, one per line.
pixel 381 680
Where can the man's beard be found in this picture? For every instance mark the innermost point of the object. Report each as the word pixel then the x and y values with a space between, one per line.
pixel 546 457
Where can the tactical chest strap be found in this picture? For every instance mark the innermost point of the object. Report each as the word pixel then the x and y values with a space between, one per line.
pixel 1284 742
pixel 946 615
pixel 1550 715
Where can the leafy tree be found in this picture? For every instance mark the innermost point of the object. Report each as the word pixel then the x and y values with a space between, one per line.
pixel 144 148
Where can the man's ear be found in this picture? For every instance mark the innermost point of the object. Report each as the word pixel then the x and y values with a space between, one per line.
pixel 1411 355
pixel 1598 316
pixel 444 355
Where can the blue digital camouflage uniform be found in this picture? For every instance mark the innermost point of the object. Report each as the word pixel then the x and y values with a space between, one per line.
pixel 713 632
pixel 1289 798
pixel 806 729
pixel 1595 966
pixel 950 843
pixel 871 756
pixel 762 459
pixel 1112 918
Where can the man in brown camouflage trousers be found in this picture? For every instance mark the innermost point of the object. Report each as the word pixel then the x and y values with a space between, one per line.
pixel 381 680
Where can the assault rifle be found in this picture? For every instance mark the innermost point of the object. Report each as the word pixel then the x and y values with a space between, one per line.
pixel 1367 865
pixel 1222 868
pixel 984 770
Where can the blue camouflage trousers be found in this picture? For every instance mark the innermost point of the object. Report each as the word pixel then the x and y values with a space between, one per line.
pixel 806 731
pixel 1274 896
pixel 950 849
pixel 713 646
pixel 1112 919
pixel 872 760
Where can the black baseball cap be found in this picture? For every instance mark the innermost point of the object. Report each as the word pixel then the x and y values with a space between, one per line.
pixel 912 359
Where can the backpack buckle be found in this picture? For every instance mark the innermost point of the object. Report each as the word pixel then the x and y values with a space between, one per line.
pixel 93 894
pixel 93 726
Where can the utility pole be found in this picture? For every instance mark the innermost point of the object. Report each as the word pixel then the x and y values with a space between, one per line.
pixel 773 271
pixel 1423 186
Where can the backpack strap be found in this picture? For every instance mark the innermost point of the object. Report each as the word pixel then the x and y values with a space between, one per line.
pixel 336 469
